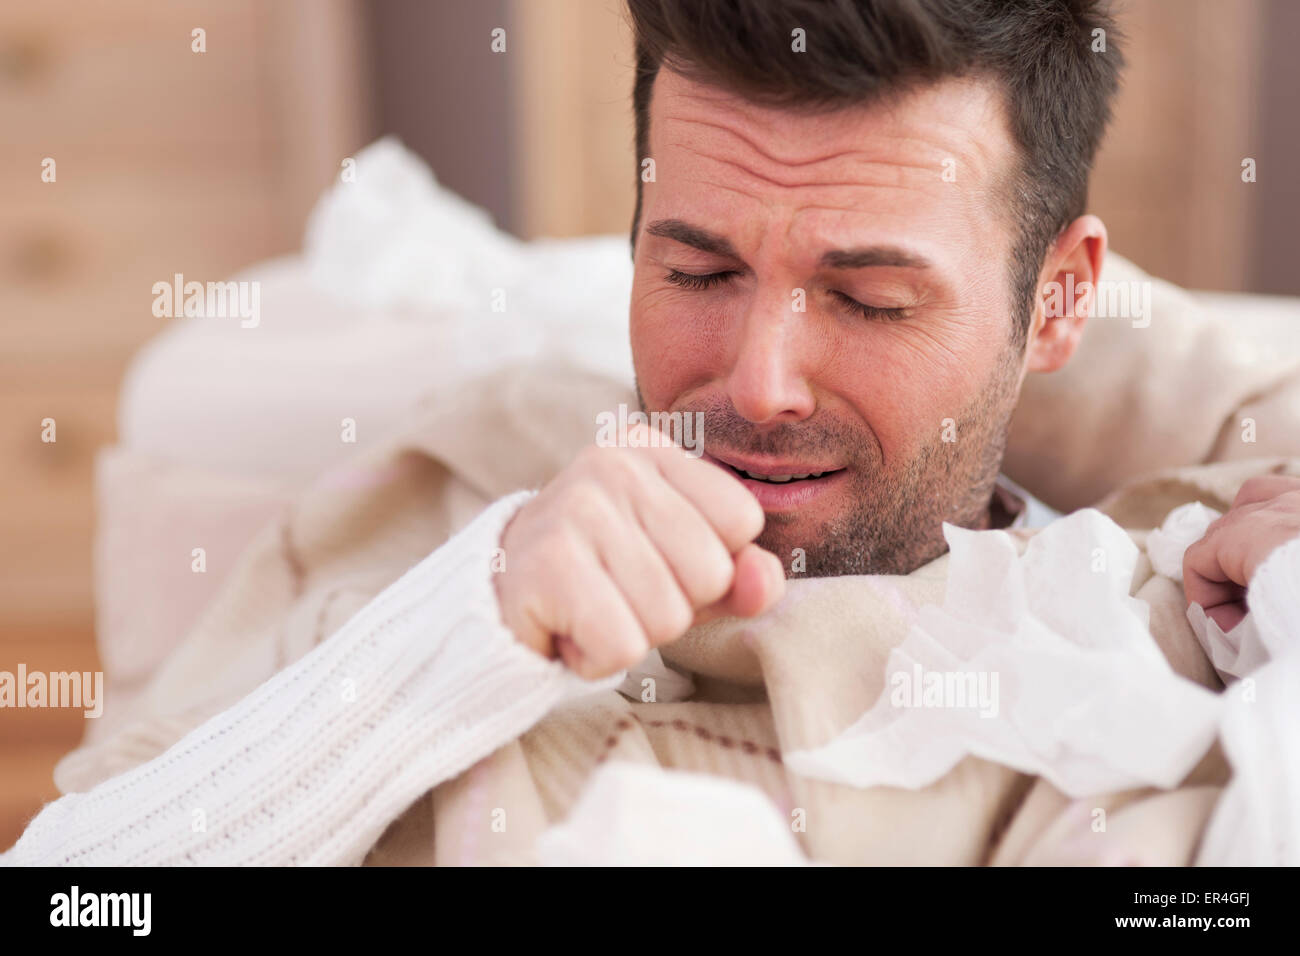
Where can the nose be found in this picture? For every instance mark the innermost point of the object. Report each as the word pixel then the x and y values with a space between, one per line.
pixel 766 383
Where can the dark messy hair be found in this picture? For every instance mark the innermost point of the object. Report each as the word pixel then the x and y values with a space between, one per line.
pixel 1058 91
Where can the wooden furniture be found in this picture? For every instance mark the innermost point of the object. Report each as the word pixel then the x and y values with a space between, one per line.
pixel 166 160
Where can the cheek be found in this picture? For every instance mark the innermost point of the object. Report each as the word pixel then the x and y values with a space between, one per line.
pixel 905 380
pixel 676 345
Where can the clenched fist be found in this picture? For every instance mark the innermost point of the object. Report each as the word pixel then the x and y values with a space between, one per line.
pixel 625 550
pixel 1217 569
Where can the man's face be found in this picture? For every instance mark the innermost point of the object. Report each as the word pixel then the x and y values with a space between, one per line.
pixel 831 290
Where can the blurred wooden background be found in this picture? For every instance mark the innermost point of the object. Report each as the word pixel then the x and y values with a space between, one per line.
pixel 172 161
pixel 167 161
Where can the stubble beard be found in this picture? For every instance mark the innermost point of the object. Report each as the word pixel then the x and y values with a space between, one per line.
pixel 895 524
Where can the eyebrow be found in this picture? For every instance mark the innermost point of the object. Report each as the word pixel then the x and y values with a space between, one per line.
pixel 867 256
pixel 693 236
pixel 857 258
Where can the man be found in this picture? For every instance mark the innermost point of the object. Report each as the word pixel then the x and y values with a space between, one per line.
pixel 836 256
pixel 842 261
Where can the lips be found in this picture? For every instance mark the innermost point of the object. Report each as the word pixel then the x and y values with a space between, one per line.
pixel 773 471
pixel 782 485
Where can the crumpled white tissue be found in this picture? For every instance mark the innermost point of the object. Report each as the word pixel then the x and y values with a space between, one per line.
pixel 633 814
pixel 391 236
pixel 1257 819
pixel 393 240
pixel 1234 653
pixel 1076 688
pixel 1182 527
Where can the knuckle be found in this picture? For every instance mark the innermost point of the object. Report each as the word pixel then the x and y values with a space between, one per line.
pixel 558 545
pixel 679 621
pixel 608 461
pixel 628 656
pixel 628 467
pixel 624 644
pixel 714 579
pixel 608 645
pixel 745 517
pixel 672 620
pixel 618 472
pixel 586 505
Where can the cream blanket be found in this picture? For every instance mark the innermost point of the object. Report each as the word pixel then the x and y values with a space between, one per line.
pixel 760 693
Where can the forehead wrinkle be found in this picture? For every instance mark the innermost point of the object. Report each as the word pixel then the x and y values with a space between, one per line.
pixel 973 148
pixel 930 167
pixel 945 139
pixel 943 135
pixel 898 180
pixel 756 147
pixel 726 187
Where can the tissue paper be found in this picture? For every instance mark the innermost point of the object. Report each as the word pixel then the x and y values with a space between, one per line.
pixel 1041 661
pixel 636 815
pixel 1257 820
pixel 1183 527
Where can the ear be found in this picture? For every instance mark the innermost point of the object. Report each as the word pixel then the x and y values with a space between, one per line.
pixel 1067 293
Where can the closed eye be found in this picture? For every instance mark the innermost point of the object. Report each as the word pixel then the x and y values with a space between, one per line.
pixel 689 280
pixel 874 312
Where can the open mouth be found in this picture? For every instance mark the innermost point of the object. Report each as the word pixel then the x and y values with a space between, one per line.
pixel 781 479
pixel 776 472
pixel 783 486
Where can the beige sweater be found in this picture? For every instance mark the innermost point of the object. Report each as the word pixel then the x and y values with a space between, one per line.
pixel 309 721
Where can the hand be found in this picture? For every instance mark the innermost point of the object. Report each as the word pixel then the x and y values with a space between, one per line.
pixel 625 550
pixel 1217 569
